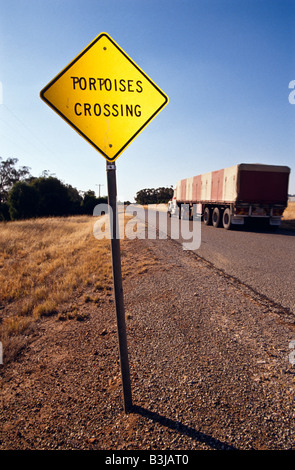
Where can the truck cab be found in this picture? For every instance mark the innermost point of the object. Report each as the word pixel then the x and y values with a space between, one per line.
pixel 172 207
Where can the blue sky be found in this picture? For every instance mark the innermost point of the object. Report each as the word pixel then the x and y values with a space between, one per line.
pixel 225 65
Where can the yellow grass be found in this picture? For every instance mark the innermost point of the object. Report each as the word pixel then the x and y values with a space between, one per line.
pixel 44 262
pixel 288 219
pixel 289 211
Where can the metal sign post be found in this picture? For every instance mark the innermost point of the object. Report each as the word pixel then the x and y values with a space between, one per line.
pixel 118 288
pixel 108 99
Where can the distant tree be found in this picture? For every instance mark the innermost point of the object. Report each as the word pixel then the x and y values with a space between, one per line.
pixel 42 197
pixel 90 201
pixel 24 196
pixel 163 195
pixel 4 211
pixel 53 197
pixel 75 200
pixel 9 175
pixel 46 174
pixel 22 201
pixel 154 196
pixel 145 196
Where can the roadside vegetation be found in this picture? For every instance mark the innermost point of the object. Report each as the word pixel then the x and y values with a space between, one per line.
pixel 154 196
pixel 49 255
pixel 288 220
pixel 47 263
pixel 23 196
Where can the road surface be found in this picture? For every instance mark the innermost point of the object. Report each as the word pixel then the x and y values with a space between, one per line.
pixel 261 259
pixel 257 257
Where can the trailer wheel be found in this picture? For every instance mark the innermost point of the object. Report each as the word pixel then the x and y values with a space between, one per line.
pixel 216 217
pixel 226 219
pixel 179 211
pixel 185 212
pixel 207 216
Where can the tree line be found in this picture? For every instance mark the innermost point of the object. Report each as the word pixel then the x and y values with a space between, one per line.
pixel 154 196
pixel 24 196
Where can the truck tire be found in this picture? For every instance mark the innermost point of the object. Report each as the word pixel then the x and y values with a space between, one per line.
pixel 216 217
pixel 207 216
pixel 226 219
pixel 184 212
pixel 179 211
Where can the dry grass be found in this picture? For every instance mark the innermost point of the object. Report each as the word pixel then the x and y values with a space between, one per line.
pixel 44 262
pixel 288 219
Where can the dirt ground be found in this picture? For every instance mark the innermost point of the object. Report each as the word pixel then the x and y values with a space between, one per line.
pixel 209 361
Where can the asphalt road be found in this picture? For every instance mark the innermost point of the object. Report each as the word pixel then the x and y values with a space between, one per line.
pixel 262 259
pixel 257 257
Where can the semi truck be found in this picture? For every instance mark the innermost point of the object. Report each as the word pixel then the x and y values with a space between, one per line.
pixel 228 197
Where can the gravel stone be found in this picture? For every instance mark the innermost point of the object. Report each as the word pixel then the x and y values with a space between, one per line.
pixel 208 360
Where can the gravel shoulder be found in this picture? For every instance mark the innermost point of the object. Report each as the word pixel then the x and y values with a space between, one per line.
pixel 209 361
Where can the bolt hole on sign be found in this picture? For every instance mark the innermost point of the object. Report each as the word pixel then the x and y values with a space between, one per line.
pixel 105 96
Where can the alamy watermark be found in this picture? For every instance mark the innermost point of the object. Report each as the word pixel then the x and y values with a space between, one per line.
pixel 135 221
pixel 1 93
pixel 292 94
pixel 292 353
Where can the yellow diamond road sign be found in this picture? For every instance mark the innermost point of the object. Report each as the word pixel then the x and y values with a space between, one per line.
pixel 105 96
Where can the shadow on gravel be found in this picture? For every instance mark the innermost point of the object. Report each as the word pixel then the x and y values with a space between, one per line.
pixel 182 429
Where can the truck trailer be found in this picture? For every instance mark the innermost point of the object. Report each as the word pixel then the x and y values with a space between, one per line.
pixel 233 195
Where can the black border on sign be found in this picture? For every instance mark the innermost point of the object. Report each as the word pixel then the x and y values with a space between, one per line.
pixel 43 91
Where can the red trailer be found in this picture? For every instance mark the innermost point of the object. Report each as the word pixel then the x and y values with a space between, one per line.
pixel 232 195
